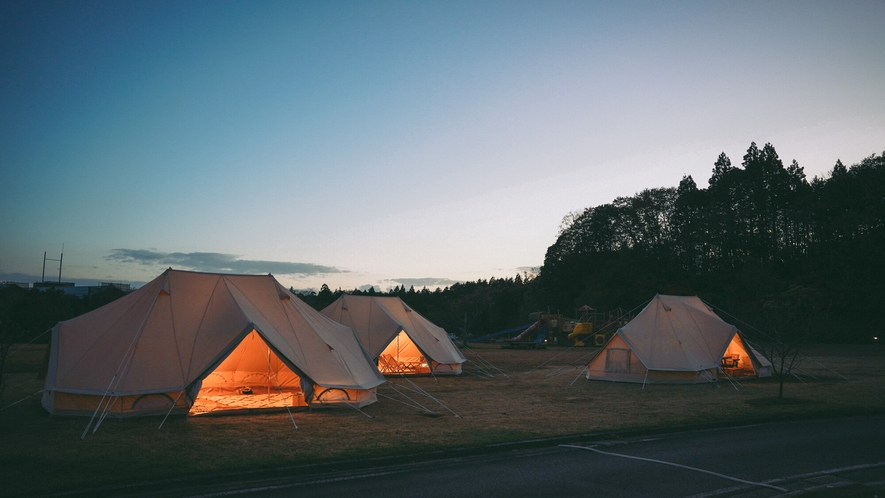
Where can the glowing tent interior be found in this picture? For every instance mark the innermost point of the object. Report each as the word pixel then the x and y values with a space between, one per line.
pixel 199 343
pixel 676 339
pixel 401 340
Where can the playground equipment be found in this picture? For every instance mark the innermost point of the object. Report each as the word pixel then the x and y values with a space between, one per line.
pixel 583 327
pixel 592 328
pixel 541 323
pixel 540 342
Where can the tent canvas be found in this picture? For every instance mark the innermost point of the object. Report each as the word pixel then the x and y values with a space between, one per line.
pixel 187 335
pixel 399 338
pixel 676 339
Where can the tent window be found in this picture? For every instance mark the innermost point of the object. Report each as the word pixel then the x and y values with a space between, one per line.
pixel 617 360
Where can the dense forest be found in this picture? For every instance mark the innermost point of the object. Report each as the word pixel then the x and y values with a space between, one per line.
pixel 761 241
pixel 758 235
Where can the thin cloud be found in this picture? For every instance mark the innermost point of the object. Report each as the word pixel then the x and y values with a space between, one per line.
pixel 428 282
pixel 531 270
pixel 216 262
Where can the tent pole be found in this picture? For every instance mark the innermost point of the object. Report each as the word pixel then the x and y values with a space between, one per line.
pixel 171 408
pixel 97 407
pixel 127 358
pixel 104 415
pixel 279 387
pixel 124 366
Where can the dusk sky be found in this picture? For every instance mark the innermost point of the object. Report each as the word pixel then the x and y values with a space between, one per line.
pixel 395 143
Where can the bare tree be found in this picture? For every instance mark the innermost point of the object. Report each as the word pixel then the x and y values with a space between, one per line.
pixel 791 319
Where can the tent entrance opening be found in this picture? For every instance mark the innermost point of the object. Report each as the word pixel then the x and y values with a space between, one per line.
pixel 736 360
pixel 252 377
pixel 402 356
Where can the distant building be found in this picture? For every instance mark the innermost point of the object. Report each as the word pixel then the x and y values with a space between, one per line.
pixel 80 291
pixel 52 285
pixel 23 285
pixel 122 287
pixel 67 287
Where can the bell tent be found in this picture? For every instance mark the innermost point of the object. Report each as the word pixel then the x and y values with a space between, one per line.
pixel 200 342
pixel 676 339
pixel 401 340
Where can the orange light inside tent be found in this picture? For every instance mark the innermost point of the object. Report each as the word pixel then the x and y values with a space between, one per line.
pixel 251 377
pixel 402 356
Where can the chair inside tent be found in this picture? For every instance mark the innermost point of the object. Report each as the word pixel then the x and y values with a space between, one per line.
pixel 736 361
pixel 253 377
pixel 402 356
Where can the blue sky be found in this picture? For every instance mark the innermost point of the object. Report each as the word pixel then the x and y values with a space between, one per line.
pixel 388 143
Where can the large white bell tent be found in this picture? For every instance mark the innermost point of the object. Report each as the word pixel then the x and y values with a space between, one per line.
pixel 200 342
pixel 676 339
pixel 400 339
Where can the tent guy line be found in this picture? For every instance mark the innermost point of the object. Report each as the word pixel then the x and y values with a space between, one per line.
pixel 416 404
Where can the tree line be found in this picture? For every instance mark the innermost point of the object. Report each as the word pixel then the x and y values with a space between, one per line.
pixel 760 234
pixel 757 233
pixel 465 309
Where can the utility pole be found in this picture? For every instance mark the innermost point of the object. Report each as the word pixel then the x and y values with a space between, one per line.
pixel 45 259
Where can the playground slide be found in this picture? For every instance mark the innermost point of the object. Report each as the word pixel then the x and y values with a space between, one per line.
pixel 525 333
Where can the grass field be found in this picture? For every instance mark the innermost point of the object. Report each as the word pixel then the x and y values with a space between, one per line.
pixel 531 395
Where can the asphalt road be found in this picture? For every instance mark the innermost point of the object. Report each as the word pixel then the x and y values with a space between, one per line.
pixel 773 459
